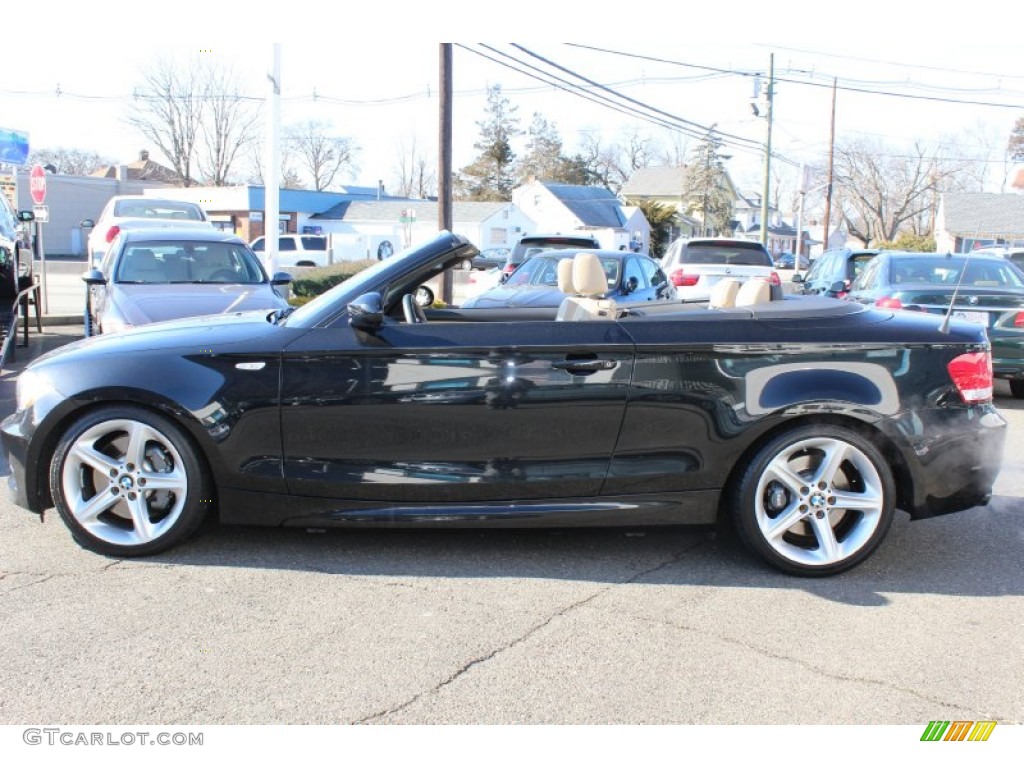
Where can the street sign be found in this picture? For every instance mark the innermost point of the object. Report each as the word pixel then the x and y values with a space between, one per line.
pixel 42 213
pixel 37 184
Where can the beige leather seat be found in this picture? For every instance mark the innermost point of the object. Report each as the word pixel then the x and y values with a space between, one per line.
pixel 754 292
pixel 140 265
pixel 590 284
pixel 723 294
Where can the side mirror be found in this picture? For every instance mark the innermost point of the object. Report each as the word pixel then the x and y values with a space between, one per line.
pixel 839 286
pixel 796 278
pixel 631 285
pixel 366 313
pixel 280 278
pixel 26 216
pixel 87 223
pixel 93 277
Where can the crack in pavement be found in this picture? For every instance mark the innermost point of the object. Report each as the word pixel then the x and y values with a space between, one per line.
pixel 944 705
pixel 526 635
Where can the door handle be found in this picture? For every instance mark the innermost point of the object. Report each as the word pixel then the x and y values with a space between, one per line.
pixel 584 367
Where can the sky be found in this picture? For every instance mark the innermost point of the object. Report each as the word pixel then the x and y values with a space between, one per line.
pixel 372 75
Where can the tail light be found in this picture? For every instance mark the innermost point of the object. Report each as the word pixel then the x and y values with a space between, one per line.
pixel 889 302
pixel 775 278
pixel 509 269
pixel 972 376
pixel 112 233
pixel 682 280
pixel 1018 320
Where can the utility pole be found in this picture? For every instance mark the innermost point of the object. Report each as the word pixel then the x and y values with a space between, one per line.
pixel 444 170
pixel 272 176
pixel 831 153
pixel 769 97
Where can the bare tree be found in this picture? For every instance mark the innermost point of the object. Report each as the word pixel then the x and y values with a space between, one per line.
pixel 168 112
pixel 320 154
pixel 416 172
pixel 289 177
pixel 881 191
pixel 229 125
pixel 72 162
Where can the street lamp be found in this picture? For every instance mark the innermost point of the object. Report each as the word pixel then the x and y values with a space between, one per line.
pixel 800 219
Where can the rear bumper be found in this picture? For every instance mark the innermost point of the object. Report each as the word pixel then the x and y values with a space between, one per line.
pixel 955 466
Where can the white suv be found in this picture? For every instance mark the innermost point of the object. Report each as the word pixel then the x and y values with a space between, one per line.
pixel 297 250
pixel 694 266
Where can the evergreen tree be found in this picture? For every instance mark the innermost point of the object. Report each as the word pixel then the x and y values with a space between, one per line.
pixel 1015 146
pixel 705 187
pixel 491 175
pixel 660 217
pixel 543 158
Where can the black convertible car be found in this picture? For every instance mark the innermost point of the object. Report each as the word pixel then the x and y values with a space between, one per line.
pixel 805 421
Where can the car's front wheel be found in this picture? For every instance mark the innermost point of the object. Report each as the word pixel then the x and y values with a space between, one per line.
pixel 127 482
pixel 815 500
pixel 1017 388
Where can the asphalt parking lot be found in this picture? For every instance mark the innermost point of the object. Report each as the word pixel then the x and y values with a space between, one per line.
pixel 646 626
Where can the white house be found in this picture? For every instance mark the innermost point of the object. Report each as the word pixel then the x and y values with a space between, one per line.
pixel 390 225
pixel 564 208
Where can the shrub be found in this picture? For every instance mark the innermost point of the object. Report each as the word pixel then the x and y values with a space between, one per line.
pixel 311 283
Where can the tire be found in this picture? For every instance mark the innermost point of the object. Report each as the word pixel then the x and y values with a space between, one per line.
pixel 788 506
pixel 1017 388
pixel 101 463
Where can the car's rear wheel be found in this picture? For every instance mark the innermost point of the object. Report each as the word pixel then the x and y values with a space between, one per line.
pixel 815 501
pixel 1017 387
pixel 127 482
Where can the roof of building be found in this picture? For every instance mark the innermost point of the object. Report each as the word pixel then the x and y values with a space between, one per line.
pixel 657 181
pixel 980 213
pixel 392 210
pixel 142 169
pixel 592 206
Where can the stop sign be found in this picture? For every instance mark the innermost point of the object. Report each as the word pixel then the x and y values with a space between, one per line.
pixel 37 184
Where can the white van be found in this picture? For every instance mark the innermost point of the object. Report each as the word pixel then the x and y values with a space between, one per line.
pixel 297 250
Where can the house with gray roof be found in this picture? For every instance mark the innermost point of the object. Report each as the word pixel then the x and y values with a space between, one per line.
pixel 565 208
pixel 967 220
pixel 379 228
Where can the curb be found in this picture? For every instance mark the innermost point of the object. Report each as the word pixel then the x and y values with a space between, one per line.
pixel 59 320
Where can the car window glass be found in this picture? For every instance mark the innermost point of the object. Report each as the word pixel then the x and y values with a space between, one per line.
pixel 652 273
pixel 820 267
pixel 184 261
pixel 708 253
pixel 286 244
pixel 633 271
pixel 257 244
pixel 314 243
pixel 867 276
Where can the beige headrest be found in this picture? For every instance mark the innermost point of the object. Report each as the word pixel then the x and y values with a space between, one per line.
pixel 588 275
pixel 565 277
pixel 754 291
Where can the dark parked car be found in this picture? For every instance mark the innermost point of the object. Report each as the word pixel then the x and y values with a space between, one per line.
pixel 489 258
pixel 832 273
pixel 149 275
pixel 983 289
pixel 531 244
pixel 15 254
pixel 631 279
pixel 788 261
pixel 362 408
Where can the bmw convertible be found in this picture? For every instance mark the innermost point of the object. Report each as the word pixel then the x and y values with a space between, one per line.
pixel 804 422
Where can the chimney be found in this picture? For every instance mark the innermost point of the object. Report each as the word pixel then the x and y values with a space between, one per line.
pixel 144 155
pixel 380 188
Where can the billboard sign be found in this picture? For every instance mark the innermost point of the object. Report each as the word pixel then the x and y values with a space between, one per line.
pixel 13 146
